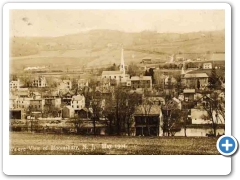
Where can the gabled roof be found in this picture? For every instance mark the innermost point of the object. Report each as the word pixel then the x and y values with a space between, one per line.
pixel 148 110
pixel 24 99
pixel 14 81
pixel 78 98
pixel 85 109
pixel 68 107
pixel 69 93
pixel 219 72
pixel 66 81
pixel 82 80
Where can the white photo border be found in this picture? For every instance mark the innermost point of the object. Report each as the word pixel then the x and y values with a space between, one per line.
pixel 114 164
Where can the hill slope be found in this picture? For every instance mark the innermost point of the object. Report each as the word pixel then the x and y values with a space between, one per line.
pixel 198 42
pixel 103 47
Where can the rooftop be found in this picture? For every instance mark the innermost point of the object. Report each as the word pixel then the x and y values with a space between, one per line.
pixel 69 107
pixel 147 110
pixel 197 75
pixel 65 81
pixel 78 98
pixel 104 73
pixel 14 81
pixel 219 72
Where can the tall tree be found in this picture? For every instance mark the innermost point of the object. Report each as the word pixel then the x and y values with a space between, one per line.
pixel 96 112
pixel 171 118
pixel 151 73
pixel 214 107
pixel 119 110
pixel 133 70
pixel 213 79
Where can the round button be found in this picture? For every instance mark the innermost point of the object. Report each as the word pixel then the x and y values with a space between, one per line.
pixel 227 145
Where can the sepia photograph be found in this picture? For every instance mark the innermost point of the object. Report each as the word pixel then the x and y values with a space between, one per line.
pixel 116 81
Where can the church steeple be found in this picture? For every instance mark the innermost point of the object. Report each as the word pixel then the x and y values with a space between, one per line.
pixel 122 65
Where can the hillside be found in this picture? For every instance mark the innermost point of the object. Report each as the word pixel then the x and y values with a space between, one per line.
pixel 198 42
pixel 102 47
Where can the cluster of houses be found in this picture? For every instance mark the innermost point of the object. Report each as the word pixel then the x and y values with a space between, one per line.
pixel 65 104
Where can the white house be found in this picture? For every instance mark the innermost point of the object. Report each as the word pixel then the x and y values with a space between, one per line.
pixel 200 116
pixel 78 102
pixel 65 85
pixel 22 103
pixel 82 83
pixel 39 82
pixel 207 65
pixel 141 82
pixel 14 85
pixel 117 76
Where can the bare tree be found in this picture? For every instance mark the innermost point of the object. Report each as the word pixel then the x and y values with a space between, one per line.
pixel 146 108
pixel 171 118
pixel 96 111
pixel 213 107
pixel 120 109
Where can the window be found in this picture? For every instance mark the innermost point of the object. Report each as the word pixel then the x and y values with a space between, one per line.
pixel 39 106
pixel 72 106
pixel 115 77
pixel 77 106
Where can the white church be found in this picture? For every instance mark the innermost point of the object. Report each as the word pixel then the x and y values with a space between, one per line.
pixel 120 76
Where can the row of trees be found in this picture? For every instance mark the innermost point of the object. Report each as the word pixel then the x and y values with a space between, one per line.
pixel 118 111
pixel 174 119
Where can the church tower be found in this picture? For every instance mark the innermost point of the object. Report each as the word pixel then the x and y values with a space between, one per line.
pixel 122 65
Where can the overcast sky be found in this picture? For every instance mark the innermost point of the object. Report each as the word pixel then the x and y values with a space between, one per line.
pixel 62 22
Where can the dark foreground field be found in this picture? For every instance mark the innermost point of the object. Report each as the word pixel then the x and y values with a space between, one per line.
pixel 53 144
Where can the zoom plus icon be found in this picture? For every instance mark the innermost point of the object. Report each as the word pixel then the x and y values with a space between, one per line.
pixel 227 145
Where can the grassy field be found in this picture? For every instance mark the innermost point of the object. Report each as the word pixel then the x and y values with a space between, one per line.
pixel 53 144
pixel 75 59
